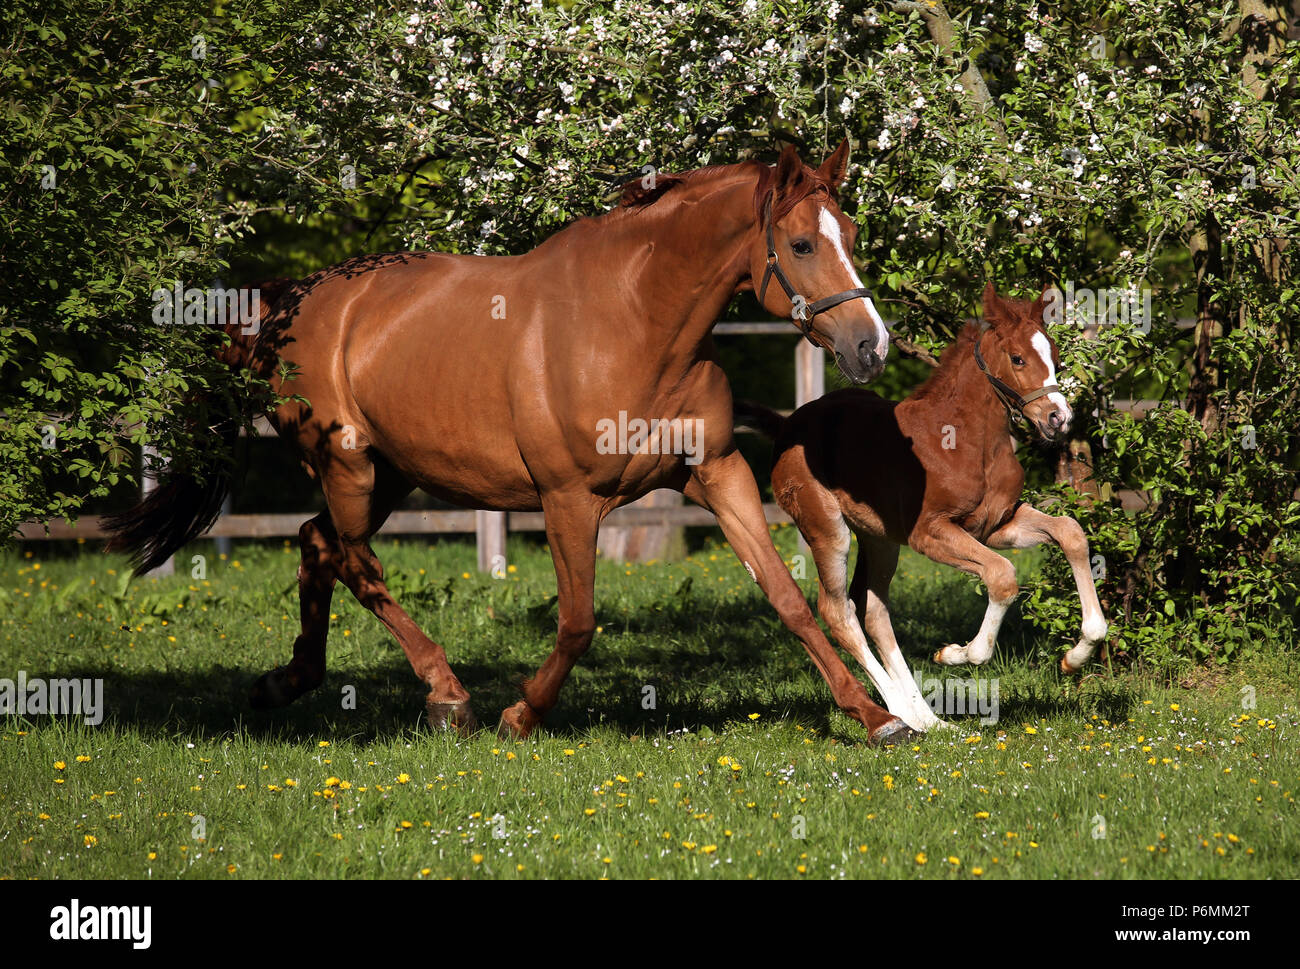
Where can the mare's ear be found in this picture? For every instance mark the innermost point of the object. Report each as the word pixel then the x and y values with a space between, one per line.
pixel 992 305
pixel 837 163
pixel 789 167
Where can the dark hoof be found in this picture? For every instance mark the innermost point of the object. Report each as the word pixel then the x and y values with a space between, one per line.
pixel 518 722
pixel 893 732
pixel 452 716
pixel 278 688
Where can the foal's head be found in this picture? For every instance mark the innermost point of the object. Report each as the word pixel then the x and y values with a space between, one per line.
pixel 1017 351
pixel 811 243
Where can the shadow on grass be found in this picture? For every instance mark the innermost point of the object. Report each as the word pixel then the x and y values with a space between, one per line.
pixel 710 664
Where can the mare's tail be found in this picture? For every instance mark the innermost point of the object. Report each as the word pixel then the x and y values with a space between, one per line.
pixel 188 500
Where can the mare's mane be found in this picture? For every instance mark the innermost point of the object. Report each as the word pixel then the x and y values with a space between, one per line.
pixel 806 182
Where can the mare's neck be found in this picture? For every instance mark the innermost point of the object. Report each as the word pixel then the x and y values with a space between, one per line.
pixel 694 259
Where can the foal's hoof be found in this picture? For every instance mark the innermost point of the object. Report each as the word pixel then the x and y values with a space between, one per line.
pixel 451 716
pixel 518 721
pixel 277 688
pixel 892 732
pixel 951 655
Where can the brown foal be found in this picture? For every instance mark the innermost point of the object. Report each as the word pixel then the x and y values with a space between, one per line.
pixel 485 381
pixel 936 472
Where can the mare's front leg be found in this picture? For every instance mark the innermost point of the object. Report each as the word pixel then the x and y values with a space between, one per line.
pixel 1030 527
pixel 571 526
pixel 726 486
pixel 946 542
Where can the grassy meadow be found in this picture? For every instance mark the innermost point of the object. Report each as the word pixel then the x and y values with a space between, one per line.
pixel 734 765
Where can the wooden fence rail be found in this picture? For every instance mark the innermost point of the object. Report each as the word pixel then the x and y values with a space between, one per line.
pixel 491 528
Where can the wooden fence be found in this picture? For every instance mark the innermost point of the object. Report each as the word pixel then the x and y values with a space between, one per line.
pixel 491 527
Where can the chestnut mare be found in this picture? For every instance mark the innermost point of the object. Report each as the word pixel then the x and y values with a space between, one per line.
pixel 935 472
pixel 484 381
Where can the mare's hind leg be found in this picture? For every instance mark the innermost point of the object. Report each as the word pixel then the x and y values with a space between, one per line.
pixel 317 573
pixel 1030 527
pixel 571 527
pixel 947 543
pixel 877 562
pixel 361 494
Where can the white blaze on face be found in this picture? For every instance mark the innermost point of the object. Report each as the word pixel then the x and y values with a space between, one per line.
pixel 1045 352
pixel 830 228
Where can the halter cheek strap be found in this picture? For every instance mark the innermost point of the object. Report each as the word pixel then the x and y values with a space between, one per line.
pixel 802 311
pixel 1009 396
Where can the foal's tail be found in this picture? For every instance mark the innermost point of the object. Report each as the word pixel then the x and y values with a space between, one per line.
pixel 188 500
pixel 762 419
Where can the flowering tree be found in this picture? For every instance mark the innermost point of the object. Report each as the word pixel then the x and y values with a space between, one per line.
pixel 1140 148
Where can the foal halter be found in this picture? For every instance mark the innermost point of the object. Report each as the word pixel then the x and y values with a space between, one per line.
pixel 802 311
pixel 1006 393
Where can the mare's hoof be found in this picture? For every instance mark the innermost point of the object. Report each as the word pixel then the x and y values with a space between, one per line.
pixel 893 732
pixel 518 721
pixel 451 716
pixel 277 688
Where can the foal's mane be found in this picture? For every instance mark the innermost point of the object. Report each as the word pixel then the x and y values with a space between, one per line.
pixel 942 383
pixel 805 183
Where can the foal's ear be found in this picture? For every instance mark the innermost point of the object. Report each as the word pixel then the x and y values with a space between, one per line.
pixel 992 303
pixel 1040 304
pixel 833 168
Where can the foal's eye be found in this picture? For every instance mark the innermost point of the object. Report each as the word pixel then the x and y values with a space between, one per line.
pixel 1018 361
pixel 802 247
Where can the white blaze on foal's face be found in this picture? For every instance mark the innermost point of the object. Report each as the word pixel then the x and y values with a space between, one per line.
pixel 829 228
pixel 1044 348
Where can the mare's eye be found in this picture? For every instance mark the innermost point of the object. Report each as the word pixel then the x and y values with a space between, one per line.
pixel 1018 361
pixel 802 247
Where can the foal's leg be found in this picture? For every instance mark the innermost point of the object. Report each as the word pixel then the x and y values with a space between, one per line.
pixel 726 487
pixel 822 524
pixel 571 527
pixel 877 562
pixel 1030 527
pixel 947 543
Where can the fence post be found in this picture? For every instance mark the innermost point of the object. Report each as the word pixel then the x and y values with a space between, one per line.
pixel 809 373
pixel 490 537
pixel 809 384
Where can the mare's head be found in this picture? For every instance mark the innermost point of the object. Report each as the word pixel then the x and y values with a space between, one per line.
pixel 1018 351
pixel 811 245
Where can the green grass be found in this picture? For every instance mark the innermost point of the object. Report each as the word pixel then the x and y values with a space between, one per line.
pixel 742 753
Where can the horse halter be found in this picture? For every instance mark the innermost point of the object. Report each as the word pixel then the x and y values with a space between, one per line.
pixel 802 311
pixel 1006 393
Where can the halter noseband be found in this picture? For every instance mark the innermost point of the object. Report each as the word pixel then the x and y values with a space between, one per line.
pixel 1006 393
pixel 802 311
